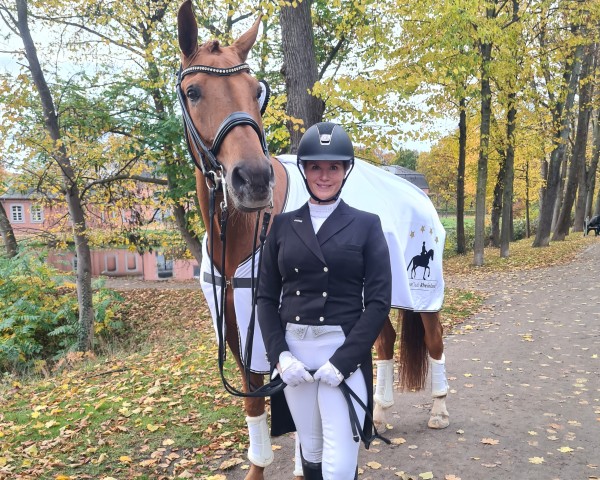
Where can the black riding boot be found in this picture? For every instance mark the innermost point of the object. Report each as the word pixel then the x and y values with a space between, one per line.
pixel 312 470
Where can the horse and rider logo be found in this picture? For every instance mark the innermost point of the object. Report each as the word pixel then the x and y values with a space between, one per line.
pixel 421 260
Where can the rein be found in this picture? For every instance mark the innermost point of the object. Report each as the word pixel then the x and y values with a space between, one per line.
pixel 212 170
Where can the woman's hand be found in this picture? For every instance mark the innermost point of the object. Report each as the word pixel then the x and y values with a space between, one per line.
pixel 329 375
pixel 293 372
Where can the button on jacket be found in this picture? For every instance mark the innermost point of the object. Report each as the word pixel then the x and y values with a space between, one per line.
pixel 340 276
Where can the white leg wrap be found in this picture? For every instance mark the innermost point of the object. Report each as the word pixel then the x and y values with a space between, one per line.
pixel 384 388
pixel 439 383
pixel 260 452
pixel 298 472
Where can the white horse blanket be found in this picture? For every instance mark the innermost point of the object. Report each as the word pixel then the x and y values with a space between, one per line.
pixel 412 228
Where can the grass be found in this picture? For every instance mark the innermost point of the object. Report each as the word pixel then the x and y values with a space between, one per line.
pixel 154 407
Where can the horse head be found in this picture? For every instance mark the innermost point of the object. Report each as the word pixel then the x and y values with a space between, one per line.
pixel 222 104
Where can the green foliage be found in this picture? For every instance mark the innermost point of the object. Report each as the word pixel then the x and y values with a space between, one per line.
pixel 407 158
pixel 39 313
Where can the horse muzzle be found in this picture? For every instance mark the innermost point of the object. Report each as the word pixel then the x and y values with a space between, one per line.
pixel 251 186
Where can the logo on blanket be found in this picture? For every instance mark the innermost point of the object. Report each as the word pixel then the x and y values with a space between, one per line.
pixel 422 239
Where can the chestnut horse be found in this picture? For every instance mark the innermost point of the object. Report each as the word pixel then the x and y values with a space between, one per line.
pixel 225 136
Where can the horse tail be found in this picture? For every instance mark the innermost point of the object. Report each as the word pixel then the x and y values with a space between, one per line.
pixel 413 361
pixel 409 264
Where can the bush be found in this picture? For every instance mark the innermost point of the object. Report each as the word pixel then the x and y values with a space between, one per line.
pixel 39 312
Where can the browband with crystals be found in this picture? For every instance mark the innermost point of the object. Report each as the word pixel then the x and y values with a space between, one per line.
pixel 215 70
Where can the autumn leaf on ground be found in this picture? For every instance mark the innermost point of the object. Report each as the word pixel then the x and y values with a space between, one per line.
pixel 398 441
pixel 490 441
pixel 536 460
pixel 232 462
pixel 451 477
pixel 426 475
pixel 565 449
pixel 374 465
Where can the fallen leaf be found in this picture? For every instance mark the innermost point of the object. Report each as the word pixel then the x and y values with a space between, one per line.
pixel 426 475
pixel 398 441
pixel 565 449
pixel 490 441
pixel 232 462
pixel 536 460
pixel 374 465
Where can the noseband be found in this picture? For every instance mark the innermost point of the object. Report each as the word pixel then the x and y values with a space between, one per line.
pixel 208 163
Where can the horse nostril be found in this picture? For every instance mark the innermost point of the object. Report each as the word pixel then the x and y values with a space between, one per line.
pixel 258 180
pixel 239 178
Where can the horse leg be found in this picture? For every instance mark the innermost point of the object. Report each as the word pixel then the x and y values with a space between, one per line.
pixel 260 452
pixel 384 387
pixel 437 363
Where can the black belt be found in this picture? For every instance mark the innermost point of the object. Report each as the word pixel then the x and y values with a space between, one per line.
pixel 237 282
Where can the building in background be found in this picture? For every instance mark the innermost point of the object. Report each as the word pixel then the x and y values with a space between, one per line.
pixel 413 177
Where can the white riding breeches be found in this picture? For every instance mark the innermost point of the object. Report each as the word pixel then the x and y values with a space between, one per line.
pixel 320 412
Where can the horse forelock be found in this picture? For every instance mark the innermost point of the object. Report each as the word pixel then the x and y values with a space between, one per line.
pixel 213 46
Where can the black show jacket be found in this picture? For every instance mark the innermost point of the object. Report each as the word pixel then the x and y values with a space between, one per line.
pixel 340 276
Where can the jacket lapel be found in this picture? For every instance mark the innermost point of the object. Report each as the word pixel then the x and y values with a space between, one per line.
pixel 302 225
pixel 338 220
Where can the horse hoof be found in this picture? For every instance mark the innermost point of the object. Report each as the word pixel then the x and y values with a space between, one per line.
pixel 438 422
pixel 380 417
pixel 255 473
pixel 439 414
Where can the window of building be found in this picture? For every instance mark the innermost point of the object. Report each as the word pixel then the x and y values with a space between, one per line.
pixel 37 214
pixel 16 213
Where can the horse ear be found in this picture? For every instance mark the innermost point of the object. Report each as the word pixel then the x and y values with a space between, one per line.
pixel 187 29
pixel 243 44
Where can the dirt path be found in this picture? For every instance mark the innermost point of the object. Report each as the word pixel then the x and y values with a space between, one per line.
pixel 525 389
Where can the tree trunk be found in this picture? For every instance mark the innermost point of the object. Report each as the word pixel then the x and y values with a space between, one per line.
pixel 8 235
pixel 299 69
pixel 509 177
pixel 591 177
pixel 527 201
pixel 461 246
pixel 585 180
pixel 482 164
pixel 577 164
pixel 497 203
pixel 542 238
pixel 561 190
pixel 60 156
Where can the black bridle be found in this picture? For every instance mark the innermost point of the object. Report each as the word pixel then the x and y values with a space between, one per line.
pixel 207 161
pixel 212 170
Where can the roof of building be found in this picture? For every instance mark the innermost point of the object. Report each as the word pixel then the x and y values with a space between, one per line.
pixel 413 177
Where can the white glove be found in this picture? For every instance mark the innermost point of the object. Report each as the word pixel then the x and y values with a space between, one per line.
pixel 329 375
pixel 293 372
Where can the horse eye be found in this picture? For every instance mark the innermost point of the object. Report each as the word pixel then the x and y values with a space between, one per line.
pixel 193 93
pixel 258 93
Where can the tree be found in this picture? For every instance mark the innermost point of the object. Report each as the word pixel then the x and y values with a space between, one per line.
pixel 299 69
pixel 560 56
pixel 576 172
pixel 8 235
pixel 70 188
pixel 407 158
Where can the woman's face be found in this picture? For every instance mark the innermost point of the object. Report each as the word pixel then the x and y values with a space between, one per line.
pixel 324 178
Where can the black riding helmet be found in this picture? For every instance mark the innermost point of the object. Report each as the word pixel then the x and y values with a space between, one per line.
pixel 325 141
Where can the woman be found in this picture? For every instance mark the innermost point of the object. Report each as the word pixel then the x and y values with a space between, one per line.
pixel 324 295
